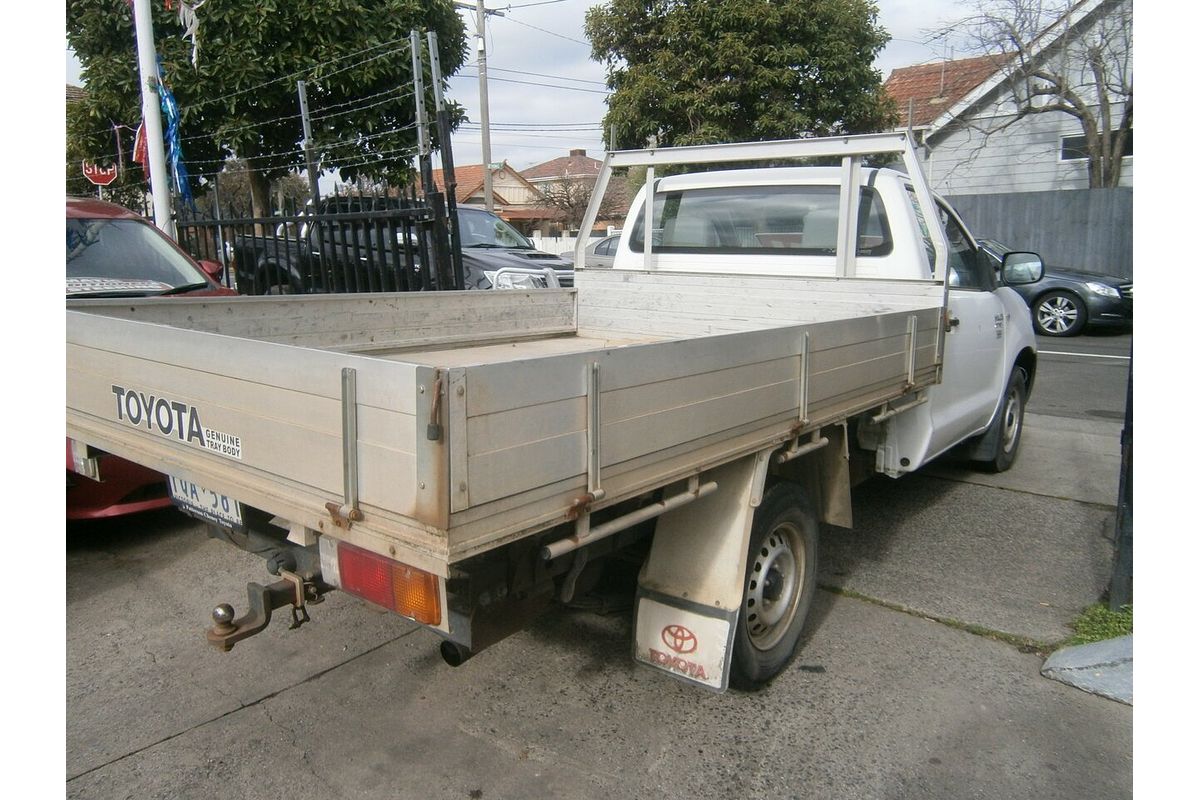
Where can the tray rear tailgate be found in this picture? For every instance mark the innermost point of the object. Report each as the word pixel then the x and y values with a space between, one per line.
pixel 259 421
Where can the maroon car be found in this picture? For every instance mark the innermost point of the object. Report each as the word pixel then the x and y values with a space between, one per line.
pixel 112 252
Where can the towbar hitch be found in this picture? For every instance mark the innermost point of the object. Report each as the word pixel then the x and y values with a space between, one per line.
pixel 292 591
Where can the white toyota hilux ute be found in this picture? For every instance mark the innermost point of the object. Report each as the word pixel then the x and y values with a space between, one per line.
pixel 784 221
pixel 469 459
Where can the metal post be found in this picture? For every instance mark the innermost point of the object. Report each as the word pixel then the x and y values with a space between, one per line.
pixel 313 188
pixel 418 69
pixel 220 231
pixel 486 136
pixel 439 239
pixel 1120 586
pixel 160 187
pixel 448 179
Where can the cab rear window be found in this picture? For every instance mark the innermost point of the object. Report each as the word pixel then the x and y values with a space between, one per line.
pixel 787 220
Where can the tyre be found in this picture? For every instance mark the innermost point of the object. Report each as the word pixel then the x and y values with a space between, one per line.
pixel 781 579
pixel 1008 424
pixel 1059 314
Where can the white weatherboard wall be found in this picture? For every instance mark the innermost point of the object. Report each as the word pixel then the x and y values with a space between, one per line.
pixel 1022 158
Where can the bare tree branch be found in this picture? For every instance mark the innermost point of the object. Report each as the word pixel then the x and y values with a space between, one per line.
pixel 570 196
pixel 1061 60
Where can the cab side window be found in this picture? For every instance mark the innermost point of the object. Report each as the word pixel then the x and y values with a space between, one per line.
pixel 965 264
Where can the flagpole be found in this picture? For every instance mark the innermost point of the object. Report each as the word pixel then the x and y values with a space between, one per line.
pixel 160 187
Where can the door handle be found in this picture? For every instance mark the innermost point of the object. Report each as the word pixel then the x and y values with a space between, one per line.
pixel 951 322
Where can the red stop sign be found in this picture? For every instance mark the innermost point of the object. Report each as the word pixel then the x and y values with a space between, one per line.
pixel 101 176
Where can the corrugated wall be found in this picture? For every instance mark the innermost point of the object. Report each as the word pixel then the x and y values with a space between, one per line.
pixel 1088 229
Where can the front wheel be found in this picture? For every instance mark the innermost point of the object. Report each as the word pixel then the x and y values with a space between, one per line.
pixel 1008 425
pixel 1059 314
pixel 781 580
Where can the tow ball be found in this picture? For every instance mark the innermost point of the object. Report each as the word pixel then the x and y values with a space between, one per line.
pixel 292 591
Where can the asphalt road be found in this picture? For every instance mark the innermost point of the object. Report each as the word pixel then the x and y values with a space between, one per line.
pixel 1083 377
pixel 896 693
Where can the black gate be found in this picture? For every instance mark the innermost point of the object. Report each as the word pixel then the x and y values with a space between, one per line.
pixel 390 241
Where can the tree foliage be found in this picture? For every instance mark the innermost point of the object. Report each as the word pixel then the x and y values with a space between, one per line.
pixel 704 71
pixel 1063 57
pixel 240 97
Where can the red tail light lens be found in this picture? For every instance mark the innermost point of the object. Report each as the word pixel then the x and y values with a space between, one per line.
pixel 399 587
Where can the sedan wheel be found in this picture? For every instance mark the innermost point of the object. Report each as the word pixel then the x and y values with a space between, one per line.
pixel 1059 314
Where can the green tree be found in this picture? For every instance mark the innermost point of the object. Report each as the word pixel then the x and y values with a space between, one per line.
pixel 704 71
pixel 239 98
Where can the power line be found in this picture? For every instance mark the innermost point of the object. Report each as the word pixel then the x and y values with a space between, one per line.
pixel 531 5
pixel 579 129
pixel 508 134
pixel 514 144
pixel 543 30
pixel 541 75
pixel 537 125
pixel 547 85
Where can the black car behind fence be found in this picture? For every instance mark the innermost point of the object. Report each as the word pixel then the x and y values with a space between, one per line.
pixel 390 241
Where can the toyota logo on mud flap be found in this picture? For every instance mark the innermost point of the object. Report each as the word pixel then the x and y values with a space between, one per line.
pixel 679 639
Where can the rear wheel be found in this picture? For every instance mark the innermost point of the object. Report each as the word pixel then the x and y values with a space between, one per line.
pixel 781 579
pixel 1059 314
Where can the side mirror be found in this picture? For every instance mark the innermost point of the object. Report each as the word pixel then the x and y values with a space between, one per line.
pixel 212 269
pixel 1021 268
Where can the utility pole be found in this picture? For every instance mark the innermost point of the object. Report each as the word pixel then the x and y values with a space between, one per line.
pixel 481 52
pixel 160 187
pixel 481 59
pixel 313 189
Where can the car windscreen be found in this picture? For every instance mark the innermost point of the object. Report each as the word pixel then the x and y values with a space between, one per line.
pixel 123 256
pixel 796 220
pixel 481 229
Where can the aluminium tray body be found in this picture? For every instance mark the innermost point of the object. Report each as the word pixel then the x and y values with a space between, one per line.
pixel 482 416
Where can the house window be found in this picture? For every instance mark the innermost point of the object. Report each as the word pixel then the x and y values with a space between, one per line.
pixel 1074 148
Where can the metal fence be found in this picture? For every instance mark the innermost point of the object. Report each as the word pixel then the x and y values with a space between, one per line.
pixel 1089 229
pixel 387 242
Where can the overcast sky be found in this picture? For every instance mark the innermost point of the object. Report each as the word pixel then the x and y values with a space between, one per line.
pixel 546 95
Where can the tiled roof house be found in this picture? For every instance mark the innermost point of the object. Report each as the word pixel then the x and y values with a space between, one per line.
pixel 966 124
pixel 575 165
pixel 924 92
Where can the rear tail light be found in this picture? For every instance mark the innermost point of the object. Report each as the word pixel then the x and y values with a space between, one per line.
pixel 406 590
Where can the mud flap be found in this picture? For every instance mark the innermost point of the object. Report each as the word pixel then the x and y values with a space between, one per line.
pixel 690 588
pixel 690 641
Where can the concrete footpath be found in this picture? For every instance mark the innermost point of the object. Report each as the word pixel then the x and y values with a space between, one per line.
pixel 1021 559
pixel 880 703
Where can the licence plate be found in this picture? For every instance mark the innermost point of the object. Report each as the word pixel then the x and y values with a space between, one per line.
pixel 205 503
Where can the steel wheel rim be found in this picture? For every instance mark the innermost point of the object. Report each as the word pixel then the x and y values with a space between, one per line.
pixel 777 573
pixel 1057 314
pixel 1012 419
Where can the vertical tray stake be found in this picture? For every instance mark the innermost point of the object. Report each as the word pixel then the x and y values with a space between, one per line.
pixel 593 431
pixel 804 368
pixel 348 512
